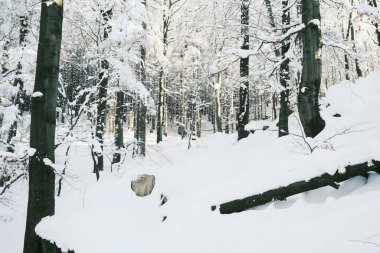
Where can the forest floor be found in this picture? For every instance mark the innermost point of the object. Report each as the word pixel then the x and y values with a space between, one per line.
pixel 107 217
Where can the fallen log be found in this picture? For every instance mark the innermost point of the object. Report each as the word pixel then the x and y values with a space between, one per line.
pixel 283 192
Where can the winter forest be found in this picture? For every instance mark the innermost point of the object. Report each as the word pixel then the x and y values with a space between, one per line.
pixel 189 126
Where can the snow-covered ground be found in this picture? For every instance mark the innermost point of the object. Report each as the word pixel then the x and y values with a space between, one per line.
pixel 107 217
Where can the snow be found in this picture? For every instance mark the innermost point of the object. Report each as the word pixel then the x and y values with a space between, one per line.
pixel 106 216
pixel 37 94
pixel 315 22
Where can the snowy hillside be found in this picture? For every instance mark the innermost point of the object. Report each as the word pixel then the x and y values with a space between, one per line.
pixel 106 216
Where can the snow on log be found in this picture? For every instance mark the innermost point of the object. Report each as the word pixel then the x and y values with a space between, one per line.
pixel 283 192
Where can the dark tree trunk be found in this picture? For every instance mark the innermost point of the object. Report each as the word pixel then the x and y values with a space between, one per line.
pixel 140 134
pixel 42 132
pixel 283 192
pixel 101 115
pixel 102 98
pixel 160 105
pixel 243 116
pixel 119 137
pixel 308 96
pixel 283 128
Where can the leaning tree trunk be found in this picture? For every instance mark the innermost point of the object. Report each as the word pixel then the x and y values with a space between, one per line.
pixel 308 96
pixel 243 116
pixel 43 121
pixel 283 126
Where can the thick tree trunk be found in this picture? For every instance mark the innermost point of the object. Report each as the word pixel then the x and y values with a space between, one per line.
pixel 243 117
pixel 42 132
pixel 308 96
pixel 283 128
pixel 283 192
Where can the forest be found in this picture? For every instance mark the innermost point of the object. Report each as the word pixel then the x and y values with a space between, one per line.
pixel 189 126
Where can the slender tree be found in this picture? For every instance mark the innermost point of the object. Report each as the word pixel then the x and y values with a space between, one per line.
pixel 243 116
pixel 283 127
pixel 140 131
pixel 119 117
pixel 308 96
pixel 102 95
pixel 43 120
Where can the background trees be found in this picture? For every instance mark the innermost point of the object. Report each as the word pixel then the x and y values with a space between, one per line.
pixel 181 67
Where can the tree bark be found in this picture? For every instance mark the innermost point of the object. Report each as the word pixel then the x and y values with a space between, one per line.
pixel 43 120
pixel 283 192
pixel 218 106
pixel 243 116
pixel 140 134
pixel 102 96
pixel 119 136
pixel 308 96
pixel 352 31
pixel 160 105
pixel 283 126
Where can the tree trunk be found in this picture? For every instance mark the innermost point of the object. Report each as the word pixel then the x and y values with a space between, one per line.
pixel 102 98
pixel 283 126
pixel 160 105
pixel 243 117
pixel 165 117
pixel 140 134
pixel 283 192
pixel 199 121
pixel 42 132
pixel 119 137
pixel 352 30
pixel 101 115
pixel 218 106
pixel 308 96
